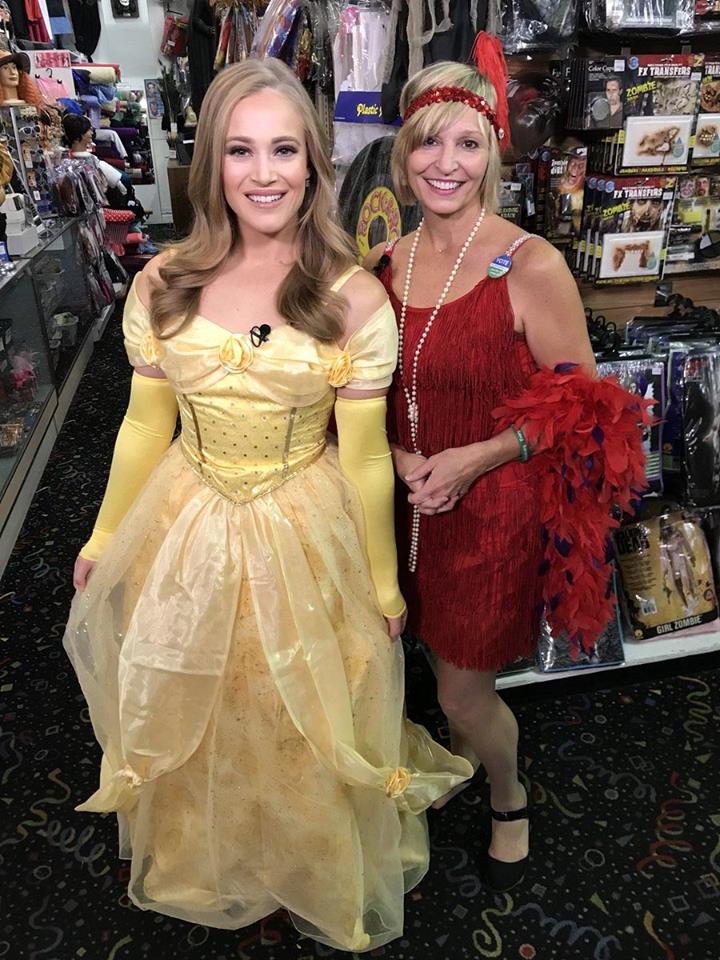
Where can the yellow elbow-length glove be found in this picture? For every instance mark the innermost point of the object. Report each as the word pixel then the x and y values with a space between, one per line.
pixel 366 461
pixel 144 436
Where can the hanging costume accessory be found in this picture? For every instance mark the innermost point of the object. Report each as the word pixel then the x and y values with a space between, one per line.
pixel 366 461
pixel 490 62
pixel 143 438
pixel 411 390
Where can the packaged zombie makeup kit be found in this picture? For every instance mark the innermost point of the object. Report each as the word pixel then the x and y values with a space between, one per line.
pixel 625 229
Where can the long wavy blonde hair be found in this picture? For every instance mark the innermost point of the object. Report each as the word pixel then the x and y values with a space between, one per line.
pixel 324 251
pixel 431 120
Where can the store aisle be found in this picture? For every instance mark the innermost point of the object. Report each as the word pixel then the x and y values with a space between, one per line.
pixel 625 783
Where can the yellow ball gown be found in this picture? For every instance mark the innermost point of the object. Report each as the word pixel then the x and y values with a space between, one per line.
pixel 240 679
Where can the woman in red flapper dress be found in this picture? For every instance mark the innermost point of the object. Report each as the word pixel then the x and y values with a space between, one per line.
pixel 495 364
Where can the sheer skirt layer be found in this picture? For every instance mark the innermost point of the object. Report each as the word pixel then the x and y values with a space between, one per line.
pixel 249 705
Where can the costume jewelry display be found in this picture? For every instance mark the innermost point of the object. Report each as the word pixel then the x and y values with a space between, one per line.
pixel 410 390
pixel 456 95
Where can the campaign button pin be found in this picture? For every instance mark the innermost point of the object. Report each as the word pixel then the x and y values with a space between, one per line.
pixel 499 267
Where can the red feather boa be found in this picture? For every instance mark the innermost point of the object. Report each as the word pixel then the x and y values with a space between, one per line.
pixel 589 432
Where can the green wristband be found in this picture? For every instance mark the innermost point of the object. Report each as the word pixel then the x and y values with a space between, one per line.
pixel 523 444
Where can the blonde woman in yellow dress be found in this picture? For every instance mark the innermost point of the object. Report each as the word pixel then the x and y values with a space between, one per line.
pixel 235 627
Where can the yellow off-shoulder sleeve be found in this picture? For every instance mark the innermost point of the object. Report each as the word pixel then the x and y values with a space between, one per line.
pixel 370 355
pixel 142 346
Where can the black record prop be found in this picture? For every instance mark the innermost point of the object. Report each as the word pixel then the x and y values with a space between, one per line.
pixel 369 208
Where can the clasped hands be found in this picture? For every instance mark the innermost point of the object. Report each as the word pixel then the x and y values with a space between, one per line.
pixel 438 482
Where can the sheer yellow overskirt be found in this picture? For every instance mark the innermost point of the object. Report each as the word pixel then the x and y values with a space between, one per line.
pixel 249 705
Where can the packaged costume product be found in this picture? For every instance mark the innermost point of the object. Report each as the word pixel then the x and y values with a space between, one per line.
pixel 640 16
pixel 678 350
pixel 644 376
pixel 707 16
pixel 596 93
pixel 661 99
pixel 696 220
pixel 564 203
pixel 706 150
pixel 710 519
pixel 511 201
pixel 633 219
pixel 666 574
pixel 526 25
pixel 701 425
pixel 556 653
pixel 359 56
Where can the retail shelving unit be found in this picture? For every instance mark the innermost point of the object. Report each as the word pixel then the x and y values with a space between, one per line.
pixel 637 654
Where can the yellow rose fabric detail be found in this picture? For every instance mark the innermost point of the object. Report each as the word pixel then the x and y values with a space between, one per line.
pixel 341 371
pixel 150 350
pixel 397 782
pixel 134 779
pixel 236 354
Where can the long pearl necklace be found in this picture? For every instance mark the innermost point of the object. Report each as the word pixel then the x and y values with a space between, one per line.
pixel 410 390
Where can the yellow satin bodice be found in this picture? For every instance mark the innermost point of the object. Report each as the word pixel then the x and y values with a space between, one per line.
pixel 254 416
pixel 244 444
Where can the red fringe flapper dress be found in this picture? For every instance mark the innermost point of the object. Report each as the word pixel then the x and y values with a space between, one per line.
pixel 476 597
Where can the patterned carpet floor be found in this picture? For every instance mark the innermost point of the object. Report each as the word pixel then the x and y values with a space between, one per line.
pixel 624 782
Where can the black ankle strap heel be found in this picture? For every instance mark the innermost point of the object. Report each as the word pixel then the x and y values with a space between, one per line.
pixel 501 875
pixel 522 814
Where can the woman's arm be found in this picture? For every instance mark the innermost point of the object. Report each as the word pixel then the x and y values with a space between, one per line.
pixel 547 305
pixel 145 434
pixel 366 461
pixel 548 308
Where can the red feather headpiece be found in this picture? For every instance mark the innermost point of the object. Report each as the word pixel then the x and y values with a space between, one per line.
pixel 490 61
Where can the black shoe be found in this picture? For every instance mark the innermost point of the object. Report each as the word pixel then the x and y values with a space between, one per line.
pixel 500 874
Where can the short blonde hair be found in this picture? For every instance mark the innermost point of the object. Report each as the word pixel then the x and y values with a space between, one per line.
pixel 431 120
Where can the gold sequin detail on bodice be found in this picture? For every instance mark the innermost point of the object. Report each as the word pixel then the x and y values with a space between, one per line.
pixel 242 444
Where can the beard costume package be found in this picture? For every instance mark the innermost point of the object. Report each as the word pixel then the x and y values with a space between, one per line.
pixel 666 574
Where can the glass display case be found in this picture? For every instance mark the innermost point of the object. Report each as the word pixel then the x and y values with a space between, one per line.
pixel 27 385
pixel 59 269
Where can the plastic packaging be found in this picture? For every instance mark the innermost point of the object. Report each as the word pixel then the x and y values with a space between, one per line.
pixel 701 425
pixel 359 54
pixel 666 574
pixel 644 377
pixel 620 16
pixel 557 653
pixel 533 24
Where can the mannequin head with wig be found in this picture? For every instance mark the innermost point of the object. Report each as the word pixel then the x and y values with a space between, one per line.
pixel 15 76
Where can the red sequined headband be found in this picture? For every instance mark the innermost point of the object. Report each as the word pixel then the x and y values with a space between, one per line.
pixel 456 95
